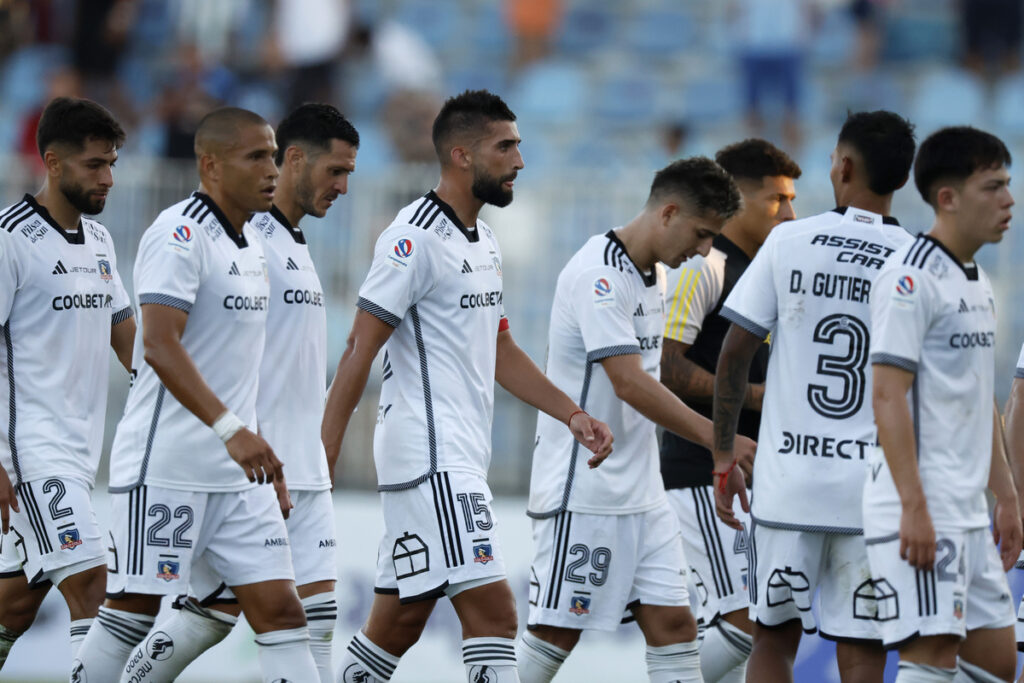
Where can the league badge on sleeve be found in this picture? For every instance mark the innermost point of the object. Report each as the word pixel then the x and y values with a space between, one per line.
pixel 401 252
pixel 905 286
pixel 903 293
pixel 180 237
pixel 603 294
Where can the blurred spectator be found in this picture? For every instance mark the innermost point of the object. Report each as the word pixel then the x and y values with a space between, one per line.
pixel 63 83
pixel 992 35
pixel 772 38
pixel 408 118
pixel 533 24
pixel 867 16
pixel 307 38
pixel 193 90
pixel 22 22
pixel 101 33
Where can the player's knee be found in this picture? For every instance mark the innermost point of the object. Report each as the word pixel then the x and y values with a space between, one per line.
pixel 670 626
pixel 18 611
pixel 84 592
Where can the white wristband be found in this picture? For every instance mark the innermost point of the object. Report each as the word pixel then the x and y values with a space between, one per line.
pixel 227 425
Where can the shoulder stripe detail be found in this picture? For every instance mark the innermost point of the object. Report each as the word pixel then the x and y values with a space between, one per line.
pixel 894 360
pixel 379 312
pixel 419 209
pixel 432 218
pixel 914 248
pixel 204 215
pixel 747 324
pixel 165 300
pixel 15 216
pixel 919 252
pixel 120 316
pixel 191 205
pixel 607 253
pixel 609 351
pixel 681 300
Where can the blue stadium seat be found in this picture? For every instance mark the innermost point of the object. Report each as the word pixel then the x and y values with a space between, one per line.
pixel 1008 106
pixel 436 21
pixel 658 33
pixel 712 100
pixel 586 28
pixel 945 97
pixel 919 37
pixel 555 91
pixel 626 99
pixel 833 42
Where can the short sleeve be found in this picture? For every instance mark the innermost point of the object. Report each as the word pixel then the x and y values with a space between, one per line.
pixel 8 275
pixel 1020 364
pixel 753 303
pixel 900 316
pixel 602 301
pixel 170 266
pixel 692 293
pixel 400 275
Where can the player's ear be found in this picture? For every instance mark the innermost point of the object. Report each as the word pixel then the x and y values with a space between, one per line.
pixel 294 155
pixel 461 157
pixel 208 167
pixel 52 163
pixel 846 169
pixel 668 212
pixel 947 198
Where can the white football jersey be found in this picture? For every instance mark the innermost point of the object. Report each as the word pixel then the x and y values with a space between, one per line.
pixel 293 373
pixel 60 293
pixel 935 317
pixel 191 259
pixel 438 283
pixel 603 307
pixel 808 287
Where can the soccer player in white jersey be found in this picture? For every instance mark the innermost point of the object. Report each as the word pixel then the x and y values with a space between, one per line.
pixel 62 305
pixel 1013 419
pixel 694 331
pixel 186 458
pixel 808 288
pixel 316 153
pixel 433 301
pixel 941 589
pixel 607 541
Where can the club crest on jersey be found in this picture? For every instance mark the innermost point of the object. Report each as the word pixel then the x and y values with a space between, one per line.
pixel 579 604
pixel 958 608
pixel 69 539
pixel 482 553
pixel 905 286
pixel 105 272
pixel 497 266
pixel 183 234
pixel 167 570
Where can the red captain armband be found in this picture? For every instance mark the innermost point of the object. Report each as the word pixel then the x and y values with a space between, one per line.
pixel 723 476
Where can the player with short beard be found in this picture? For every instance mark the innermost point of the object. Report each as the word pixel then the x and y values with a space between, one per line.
pixel 63 304
pixel 433 301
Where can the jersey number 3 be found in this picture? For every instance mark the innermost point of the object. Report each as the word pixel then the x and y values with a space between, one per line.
pixel 849 368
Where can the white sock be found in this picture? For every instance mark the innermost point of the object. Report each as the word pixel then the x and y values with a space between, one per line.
pixel 972 673
pixel 177 641
pixel 538 660
pixel 112 637
pixel 364 662
pixel 285 655
pixel 7 638
pixel 679 663
pixel 321 615
pixel 909 672
pixel 725 647
pixel 79 628
pixel 490 660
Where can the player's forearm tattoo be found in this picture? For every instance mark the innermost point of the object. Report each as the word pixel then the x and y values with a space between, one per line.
pixel 730 391
pixel 686 379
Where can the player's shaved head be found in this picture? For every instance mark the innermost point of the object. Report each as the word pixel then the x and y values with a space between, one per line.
pixel 218 130
pixel 465 118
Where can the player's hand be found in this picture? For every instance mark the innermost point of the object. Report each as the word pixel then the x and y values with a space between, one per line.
pixel 917 537
pixel 254 456
pixel 284 499
pixel 8 501
pixel 744 450
pixel 593 434
pixel 1007 533
pixel 726 488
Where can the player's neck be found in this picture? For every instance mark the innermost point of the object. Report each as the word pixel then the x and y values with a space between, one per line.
pixel 959 245
pixel 287 204
pixel 736 232
pixel 61 210
pixel 866 200
pixel 236 216
pixel 636 238
pixel 460 198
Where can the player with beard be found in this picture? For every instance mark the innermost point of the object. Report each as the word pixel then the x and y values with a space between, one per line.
pixel 62 304
pixel 433 301
pixel 316 153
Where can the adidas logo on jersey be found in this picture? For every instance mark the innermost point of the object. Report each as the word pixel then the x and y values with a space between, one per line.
pixel 963 307
pixel 466 268
pixel 290 264
pixel 639 310
pixel 234 269
pixel 60 269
